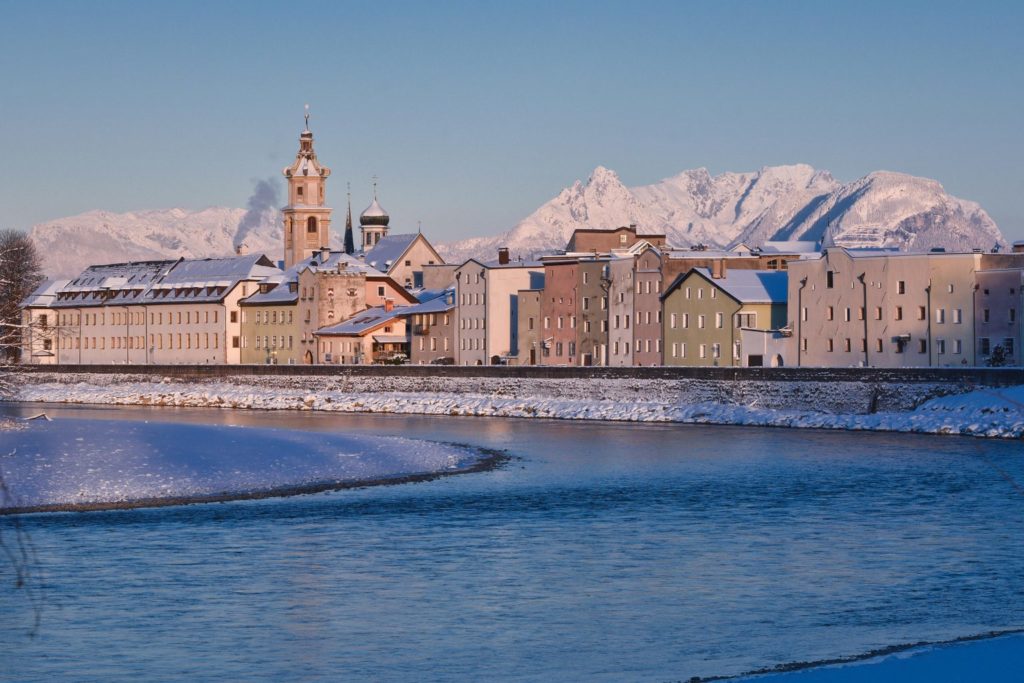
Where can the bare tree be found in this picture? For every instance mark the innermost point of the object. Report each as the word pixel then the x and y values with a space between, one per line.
pixel 20 275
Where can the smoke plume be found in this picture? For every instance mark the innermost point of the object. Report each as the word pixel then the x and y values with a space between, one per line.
pixel 264 199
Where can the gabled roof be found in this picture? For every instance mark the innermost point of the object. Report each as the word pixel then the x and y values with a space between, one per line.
pixel 44 294
pixel 745 286
pixel 445 301
pixel 362 323
pixel 387 253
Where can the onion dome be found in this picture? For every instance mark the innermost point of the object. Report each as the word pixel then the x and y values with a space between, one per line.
pixel 374 215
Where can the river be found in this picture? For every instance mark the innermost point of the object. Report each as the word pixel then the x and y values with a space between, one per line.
pixel 600 551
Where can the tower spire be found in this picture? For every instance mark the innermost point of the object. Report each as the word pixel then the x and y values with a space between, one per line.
pixel 350 243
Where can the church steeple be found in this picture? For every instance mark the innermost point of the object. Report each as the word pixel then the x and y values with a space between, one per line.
pixel 307 220
pixel 350 244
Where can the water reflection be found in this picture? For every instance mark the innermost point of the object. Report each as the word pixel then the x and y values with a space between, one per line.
pixel 602 552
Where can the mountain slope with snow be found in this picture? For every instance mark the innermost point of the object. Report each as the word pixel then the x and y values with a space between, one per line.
pixel 774 203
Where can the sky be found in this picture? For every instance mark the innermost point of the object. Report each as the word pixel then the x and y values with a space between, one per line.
pixel 473 114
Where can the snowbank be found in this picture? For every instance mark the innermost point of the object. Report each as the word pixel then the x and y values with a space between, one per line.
pixel 984 412
pixel 76 464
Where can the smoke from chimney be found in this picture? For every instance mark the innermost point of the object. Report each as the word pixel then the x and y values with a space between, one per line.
pixel 264 199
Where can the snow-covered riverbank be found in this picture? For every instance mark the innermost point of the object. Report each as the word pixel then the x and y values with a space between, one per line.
pixel 921 408
pixel 94 464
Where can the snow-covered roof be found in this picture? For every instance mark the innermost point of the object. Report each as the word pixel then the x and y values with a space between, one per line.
pixel 362 323
pixel 753 286
pixel 789 247
pixel 746 286
pixel 44 294
pixel 445 301
pixel 386 253
pixel 152 282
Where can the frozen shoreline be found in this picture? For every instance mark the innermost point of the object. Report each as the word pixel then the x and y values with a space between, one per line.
pixel 985 412
pixel 79 465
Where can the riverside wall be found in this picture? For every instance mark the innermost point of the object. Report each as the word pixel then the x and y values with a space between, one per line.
pixel 964 377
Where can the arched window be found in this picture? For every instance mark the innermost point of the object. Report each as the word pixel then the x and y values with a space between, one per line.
pixel 311 224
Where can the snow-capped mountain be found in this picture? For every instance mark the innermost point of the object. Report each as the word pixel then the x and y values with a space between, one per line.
pixel 69 245
pixel 775 203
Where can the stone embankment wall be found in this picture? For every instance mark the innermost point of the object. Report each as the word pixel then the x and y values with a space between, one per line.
pixel 846 390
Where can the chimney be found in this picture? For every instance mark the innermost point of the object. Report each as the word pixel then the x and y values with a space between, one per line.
pixel 389 305
pixel 325 253
pixel 1018 247
pixel 502 256
pixel 240 249
pixel 718 269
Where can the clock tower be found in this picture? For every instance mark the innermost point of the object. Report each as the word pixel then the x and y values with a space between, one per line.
pixel 307 220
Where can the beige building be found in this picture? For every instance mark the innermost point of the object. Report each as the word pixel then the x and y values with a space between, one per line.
pixel 877 308
pixel 40 333
pixel 307 219
pixel 431 325
pixel 530 340
pixel 705 313
pixel 281 320
pixel 488 316
pixel 376 335
pixel 154 312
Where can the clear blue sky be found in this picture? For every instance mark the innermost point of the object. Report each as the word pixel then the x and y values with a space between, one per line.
pixel 475 113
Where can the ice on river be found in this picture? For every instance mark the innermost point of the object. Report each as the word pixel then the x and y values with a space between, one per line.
pixel 68 462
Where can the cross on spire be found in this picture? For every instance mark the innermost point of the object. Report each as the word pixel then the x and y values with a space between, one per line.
pixel 375 187
pixel 307 117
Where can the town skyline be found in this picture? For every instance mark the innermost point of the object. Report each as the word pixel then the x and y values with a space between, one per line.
pixel 470 131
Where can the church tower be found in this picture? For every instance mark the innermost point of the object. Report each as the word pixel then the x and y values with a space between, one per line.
pixel 307 220
pixel 373 222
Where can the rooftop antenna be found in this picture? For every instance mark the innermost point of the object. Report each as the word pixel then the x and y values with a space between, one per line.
pixel 307 118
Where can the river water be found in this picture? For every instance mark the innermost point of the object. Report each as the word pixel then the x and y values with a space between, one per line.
pixel 599 552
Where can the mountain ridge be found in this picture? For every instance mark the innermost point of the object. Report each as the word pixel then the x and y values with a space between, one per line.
pixel 796 201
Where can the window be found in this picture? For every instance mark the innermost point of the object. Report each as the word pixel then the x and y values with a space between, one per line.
pixel 311 224
pixel 829 345
pixel 901 287
pixel 899 313
pixel 878 312
pixel 672 322
pixel 686 320
pixel 922 346
pixel 719 320
pixel 985 315
pixel 803 314
pixel 847 346
pixel 829 313
pixel 958 346
pixel 922 314
pixel 940 346
pixel 984 346
pixel 700 321
pixel 860 313
pixel 1013 315
pixel 829 279
pixel 846 314
pixel 380 290
pixel 586 303
pixel 703 350
pixel 716 350
pixel 958 316
pixel 1008 346
pixel 940 315
pixel 878 345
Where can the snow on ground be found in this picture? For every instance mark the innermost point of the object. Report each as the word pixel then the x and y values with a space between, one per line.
pixel 993 659
pixel 75 462
pixel 987 412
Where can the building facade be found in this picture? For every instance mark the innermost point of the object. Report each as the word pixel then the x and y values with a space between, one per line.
pixel 307 219
pixel 488 316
